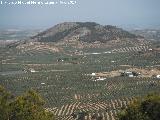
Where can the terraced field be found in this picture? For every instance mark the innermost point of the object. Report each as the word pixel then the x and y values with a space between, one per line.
pixel 69 93
pixel 132 49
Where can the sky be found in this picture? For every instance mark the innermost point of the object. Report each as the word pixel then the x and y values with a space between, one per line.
pixel 142 13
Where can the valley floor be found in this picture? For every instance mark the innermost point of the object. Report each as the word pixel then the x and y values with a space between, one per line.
pixel 68 82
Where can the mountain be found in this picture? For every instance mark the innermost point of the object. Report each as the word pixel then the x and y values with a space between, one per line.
pixel 83 31
pixel 148 34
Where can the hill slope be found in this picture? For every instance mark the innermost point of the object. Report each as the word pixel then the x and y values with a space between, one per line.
pixel 82 31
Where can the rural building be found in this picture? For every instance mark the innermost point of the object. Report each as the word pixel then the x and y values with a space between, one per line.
pixel 158 76
pixel 93 74
pixel 100 79
pixel 129 74
pixel 32 70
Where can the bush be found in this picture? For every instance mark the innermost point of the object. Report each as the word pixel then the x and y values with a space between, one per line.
pixel 29 106
pixel 147 108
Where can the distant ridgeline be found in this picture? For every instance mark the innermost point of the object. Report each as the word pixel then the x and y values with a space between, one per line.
pixel 85 32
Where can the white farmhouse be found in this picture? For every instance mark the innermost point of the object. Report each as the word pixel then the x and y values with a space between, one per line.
pixel 32 70
pixel 93 74
pixel 158 76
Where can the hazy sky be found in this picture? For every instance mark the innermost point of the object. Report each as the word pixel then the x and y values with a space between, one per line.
pixel 115 12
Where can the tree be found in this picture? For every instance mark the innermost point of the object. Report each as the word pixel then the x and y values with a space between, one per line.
pixel 147 108
pixel 29 106
pixel 4 104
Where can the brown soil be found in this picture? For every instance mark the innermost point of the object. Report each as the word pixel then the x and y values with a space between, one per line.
pixel 144 72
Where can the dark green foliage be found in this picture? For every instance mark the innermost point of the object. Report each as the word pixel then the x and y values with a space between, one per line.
pixel 90 25
pixel 135 73
pixel 79 115
pixel 4 104
pixel 146 109
pixel 61 86
pixel 151 106
pixel 102 34
pixel 58 36
pixel 28 106
pixel 96 117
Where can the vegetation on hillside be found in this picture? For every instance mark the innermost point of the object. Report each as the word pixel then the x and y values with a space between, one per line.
pixel 28 106
pixel 146 109
pixel 87 32
pixel 66 81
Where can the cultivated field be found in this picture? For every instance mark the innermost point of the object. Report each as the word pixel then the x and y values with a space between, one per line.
pixel 61 78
